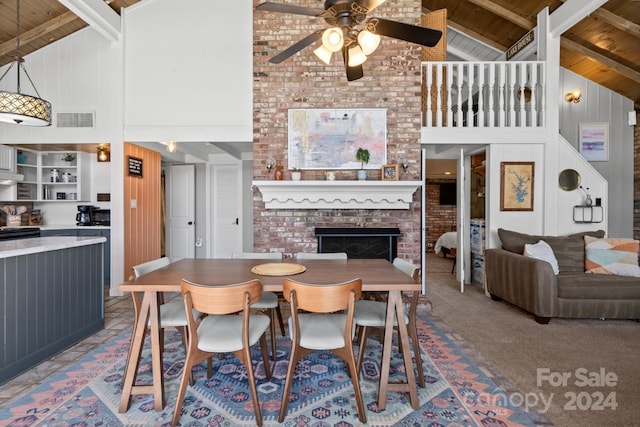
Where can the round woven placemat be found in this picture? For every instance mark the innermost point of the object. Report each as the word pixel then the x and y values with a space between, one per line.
pixel 278 269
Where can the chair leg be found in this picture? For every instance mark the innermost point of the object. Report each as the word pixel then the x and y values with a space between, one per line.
pixel 244 356
pixel 363 344
pixel 279 313
pixel 265 356
pixel 347 355
pixel 192 358
pixel 272 332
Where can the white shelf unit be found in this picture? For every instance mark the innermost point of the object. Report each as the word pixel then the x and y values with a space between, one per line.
pixel 36 166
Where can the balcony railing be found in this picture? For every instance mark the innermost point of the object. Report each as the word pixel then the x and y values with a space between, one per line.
pixel 483 94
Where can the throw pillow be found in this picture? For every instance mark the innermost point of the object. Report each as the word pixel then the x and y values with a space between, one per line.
pixel 611 256
pixel 542 251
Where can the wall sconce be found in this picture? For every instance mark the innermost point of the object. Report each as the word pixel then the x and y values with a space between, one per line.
pixel 404 163
pixel 270 164
pixel 104 154
pixel 171 147
pixel 573 96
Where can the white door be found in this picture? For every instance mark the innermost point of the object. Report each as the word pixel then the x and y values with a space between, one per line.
pixel 181 212
pixel 462 220
pixel 226 208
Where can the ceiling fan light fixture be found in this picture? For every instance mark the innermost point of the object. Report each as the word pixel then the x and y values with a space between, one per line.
pixel 356 56
pixel 368 41
pixel 323 54
pixel 333 39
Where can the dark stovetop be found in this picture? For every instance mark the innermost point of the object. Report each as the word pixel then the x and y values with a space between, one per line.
pixel 18 233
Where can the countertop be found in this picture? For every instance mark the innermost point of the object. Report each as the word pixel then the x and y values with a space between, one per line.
pixel 13 248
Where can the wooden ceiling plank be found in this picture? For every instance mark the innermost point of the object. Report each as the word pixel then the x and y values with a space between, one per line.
pixel 617 21
pixel 504 13
pixel 621 69
pixel 39 31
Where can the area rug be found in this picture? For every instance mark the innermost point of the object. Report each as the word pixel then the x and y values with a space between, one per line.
pixel 88 394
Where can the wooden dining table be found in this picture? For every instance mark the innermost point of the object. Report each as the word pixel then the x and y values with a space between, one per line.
pixel 378 275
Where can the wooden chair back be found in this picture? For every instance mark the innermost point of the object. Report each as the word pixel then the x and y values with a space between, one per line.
pixel 324 255
pixel 408 268
pixel 149 266
pixel 256 255
pixel 322 298
pixel 225 299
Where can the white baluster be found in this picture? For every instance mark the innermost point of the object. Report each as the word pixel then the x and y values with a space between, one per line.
pixel 492 99
pixel 534 95
pixel 503 87
pixel 481 113
pixel 513 78
pixel 439 111
pixel 471 76
pixel 449 98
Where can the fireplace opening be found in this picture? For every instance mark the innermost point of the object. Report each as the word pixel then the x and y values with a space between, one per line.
pixel 359 243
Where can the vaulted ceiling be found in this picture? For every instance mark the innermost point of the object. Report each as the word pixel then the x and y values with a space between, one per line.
pixel 602 47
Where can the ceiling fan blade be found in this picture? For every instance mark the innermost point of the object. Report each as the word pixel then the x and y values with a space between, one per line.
pixel 289 8
pixel 370 4
pixel 411 33
pixel 297 47
pixel 353 73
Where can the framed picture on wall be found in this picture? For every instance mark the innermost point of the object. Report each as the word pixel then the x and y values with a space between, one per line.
pixel 516 186
pixel 389 173
pixel 593 141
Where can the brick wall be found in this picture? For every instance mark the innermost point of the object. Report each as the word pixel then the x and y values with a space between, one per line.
pixel 441 218
pixel 391 81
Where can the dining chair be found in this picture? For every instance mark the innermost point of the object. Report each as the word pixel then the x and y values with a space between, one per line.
pixel 172 314
pixel 321 325
pixel 373 313
pixel 323 255
pixel 224 331
pixel 269 300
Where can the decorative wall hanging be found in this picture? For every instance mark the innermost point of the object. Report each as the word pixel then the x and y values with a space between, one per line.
pixel 593 141
pixel 516 186
pixel 330 138
pixel 389 173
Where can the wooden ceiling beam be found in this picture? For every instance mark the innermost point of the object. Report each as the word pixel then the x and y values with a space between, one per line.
pixel 603 59
pixel 39 31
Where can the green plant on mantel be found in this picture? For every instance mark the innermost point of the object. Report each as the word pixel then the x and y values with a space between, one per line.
pixel 69 157
pixel 363 156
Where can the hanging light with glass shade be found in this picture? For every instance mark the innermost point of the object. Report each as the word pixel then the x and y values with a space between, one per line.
pixel 17 107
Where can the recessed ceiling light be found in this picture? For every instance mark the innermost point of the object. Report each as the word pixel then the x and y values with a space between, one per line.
pixel 447 173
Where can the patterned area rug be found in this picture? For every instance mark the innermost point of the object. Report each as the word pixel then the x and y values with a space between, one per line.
pixel 457 392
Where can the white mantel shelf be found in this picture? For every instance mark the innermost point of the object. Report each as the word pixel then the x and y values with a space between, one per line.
pixel 337 194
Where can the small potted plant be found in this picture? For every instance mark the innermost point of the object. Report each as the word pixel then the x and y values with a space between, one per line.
pixel 296 174
pixel 362 155
pixel 69 157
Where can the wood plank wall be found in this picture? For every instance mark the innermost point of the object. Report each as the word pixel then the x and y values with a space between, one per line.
pixel 142 224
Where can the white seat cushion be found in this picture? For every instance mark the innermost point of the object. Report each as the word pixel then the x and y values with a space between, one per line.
pixel 172 314
pixel 267 300
pixel 373 314
pixel 223 333
pixel 321 331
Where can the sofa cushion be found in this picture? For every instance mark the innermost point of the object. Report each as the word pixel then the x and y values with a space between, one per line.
pixel 542 251
pixel 596 286
pixel 611 256
pixel 569 250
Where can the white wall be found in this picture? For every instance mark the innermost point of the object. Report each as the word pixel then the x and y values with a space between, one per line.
pixel 599 104
pixel 188 71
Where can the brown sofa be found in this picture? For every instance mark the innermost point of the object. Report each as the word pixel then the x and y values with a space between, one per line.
pixel 530 283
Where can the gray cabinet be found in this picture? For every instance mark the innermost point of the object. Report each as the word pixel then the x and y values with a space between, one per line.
pixel 88 232
pixel 49 301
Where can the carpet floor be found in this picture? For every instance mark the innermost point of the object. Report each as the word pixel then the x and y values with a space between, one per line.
pixel 458 393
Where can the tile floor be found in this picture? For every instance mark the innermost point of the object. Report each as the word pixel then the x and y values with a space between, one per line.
pixel 118 316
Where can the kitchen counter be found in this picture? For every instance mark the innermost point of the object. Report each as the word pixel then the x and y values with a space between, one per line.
pixel 53 294
pixel 71 226
pixel 12 248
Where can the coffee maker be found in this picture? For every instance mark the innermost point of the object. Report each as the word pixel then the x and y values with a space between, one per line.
pixel 84 215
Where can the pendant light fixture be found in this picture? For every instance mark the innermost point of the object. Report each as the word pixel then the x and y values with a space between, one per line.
pixel 16 107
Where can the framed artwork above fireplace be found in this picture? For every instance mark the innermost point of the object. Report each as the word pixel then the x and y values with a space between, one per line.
pixel 330 138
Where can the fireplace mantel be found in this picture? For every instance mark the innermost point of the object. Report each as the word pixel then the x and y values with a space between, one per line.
pixel 337 194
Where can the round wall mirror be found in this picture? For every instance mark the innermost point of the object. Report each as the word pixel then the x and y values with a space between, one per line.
pixel 569 180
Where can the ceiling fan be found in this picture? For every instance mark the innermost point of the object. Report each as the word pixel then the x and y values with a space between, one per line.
pixel 350 31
